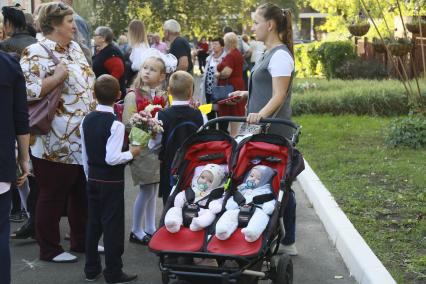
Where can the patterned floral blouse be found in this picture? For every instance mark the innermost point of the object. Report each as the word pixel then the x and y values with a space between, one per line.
pixel 62 143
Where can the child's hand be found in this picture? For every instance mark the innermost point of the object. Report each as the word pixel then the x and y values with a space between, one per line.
pixel 194 104
pixel 135 150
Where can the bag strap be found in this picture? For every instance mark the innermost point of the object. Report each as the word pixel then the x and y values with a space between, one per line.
pixel 138 96
pixel 177 126
pixel 50 53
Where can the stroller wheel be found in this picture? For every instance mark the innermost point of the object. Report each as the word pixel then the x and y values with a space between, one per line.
pixel 284 270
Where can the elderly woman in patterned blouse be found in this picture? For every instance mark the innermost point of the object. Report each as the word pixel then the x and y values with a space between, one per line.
pixel 57 155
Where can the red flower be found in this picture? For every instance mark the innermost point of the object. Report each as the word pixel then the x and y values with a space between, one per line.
pixel 159 101
pixel 142 104
pixel 155 110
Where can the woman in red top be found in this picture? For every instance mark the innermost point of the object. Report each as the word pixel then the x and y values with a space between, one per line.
pixel 230 71
pixel 108 58
pixel 202 53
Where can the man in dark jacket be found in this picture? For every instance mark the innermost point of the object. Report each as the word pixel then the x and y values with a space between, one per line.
pixel 15 26
pixel 14 127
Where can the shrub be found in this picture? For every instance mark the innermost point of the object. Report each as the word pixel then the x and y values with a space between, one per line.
pixel 408 131
pixel 333 54
pixel 307 60
pixel 359 97
pixel 361 69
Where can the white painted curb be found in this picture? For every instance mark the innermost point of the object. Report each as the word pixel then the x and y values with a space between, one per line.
pixel 362 263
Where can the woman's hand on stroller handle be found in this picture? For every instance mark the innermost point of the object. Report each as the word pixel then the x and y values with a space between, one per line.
pixel 244 119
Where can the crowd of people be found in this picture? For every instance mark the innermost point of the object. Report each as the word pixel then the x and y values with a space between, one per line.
pixel 76 168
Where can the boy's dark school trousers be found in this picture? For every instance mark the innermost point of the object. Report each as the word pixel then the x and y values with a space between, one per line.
pixel 105 201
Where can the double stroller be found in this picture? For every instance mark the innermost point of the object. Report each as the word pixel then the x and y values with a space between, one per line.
pixel 237 260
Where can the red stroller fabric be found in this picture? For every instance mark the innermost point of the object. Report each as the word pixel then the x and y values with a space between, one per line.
pixel 235 245
pixel 184 240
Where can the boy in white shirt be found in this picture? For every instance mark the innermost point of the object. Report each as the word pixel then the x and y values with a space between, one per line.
pixel 102 138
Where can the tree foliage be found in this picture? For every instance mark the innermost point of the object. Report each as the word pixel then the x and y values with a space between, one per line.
pixel 343 12
pixel 197 17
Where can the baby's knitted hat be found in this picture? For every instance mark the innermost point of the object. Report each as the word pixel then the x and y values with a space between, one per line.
pixel 266 174
pixel 217 172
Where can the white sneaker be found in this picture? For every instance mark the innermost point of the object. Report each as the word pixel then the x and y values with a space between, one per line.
pixel 290 249
pixel 101 249
pixel 64 257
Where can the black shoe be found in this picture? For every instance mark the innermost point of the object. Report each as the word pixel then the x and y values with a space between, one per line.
pixel 24 232
pixel 18 217
pixel 134 239
pixel 92 278
pixel 124 278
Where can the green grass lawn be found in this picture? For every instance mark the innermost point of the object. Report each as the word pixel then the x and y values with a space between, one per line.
pixel 382 190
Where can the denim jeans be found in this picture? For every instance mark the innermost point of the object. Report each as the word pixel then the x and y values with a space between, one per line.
pixel 290 220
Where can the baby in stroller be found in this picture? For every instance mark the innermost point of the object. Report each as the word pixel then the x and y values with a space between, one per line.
pixel 211 177
pixel 254 198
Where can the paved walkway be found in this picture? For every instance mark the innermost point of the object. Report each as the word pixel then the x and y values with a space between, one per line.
pixel 318 260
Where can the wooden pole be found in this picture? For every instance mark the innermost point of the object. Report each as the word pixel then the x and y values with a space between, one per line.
pixel 422 39
pixel 395 65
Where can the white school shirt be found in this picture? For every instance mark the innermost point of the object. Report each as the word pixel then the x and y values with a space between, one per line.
pixel 4 187
pixel 153 144
pixel 114 155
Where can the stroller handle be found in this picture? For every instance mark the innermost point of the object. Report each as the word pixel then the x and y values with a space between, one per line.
pixel 244 119
pixel 295 136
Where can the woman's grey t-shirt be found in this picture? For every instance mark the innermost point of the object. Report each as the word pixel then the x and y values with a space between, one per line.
pixel 260 92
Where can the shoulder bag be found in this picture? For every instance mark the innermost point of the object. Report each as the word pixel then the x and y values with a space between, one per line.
pixel 221 92
pixel 42 112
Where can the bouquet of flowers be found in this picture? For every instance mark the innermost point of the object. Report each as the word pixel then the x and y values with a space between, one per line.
pixel 158 101
pixel 144 126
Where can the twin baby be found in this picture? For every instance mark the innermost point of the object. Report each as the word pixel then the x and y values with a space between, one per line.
pixel 211 176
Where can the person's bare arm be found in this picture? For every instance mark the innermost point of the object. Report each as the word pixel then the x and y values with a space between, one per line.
pixel 183 63
pixel 23 157
pixel 225 73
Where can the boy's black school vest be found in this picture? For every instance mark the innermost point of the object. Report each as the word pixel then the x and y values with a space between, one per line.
pixel 179 122
pixel 97 130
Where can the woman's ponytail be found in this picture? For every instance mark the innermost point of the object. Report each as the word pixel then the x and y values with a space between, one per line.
pixel 286 34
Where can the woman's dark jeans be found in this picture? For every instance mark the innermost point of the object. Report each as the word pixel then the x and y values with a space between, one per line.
pixel 290 221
